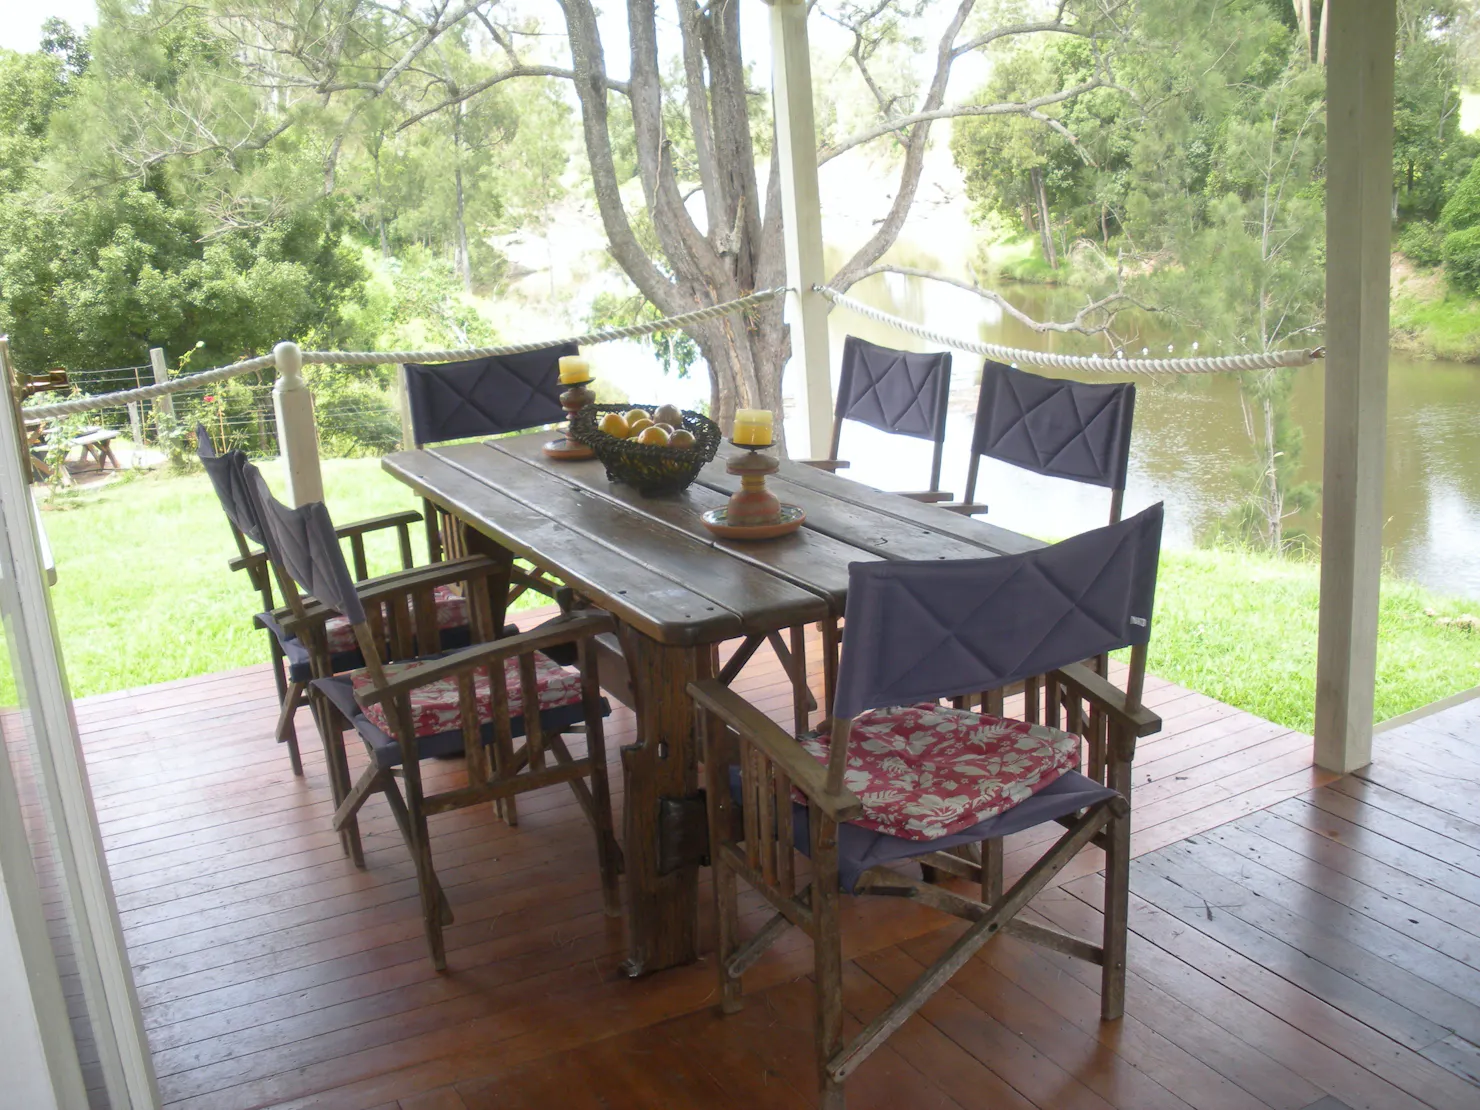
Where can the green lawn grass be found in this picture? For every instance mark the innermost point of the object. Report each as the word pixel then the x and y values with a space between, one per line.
pixel 143 595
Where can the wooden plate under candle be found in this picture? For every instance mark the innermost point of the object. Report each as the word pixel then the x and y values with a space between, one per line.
pixel 716 520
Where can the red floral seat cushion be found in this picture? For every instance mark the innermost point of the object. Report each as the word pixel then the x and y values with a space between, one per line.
pixel 435 707
pixel 452 612
pixel 924 771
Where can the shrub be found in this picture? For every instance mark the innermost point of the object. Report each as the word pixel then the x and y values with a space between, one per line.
pixel 1462 259
pixel 356 416
pixel 1422 242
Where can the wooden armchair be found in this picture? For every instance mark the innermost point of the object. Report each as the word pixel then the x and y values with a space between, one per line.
pixel 289 657
pixel 411 701
pixel 851 798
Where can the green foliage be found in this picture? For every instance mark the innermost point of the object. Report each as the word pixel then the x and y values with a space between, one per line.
pixel 1462 259
pixel 1422 242
pixel 675 350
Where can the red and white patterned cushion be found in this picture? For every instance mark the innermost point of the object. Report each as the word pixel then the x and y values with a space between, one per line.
pixel 925 771
pixel 452 612
pixel 435 707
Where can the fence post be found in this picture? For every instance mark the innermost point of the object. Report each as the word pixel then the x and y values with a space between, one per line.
pixel 403 406
pixel 161 371
pixel 298 438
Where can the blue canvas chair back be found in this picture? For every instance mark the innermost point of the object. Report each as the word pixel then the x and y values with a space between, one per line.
pixel 225 472
pixel 900 392
pixel 302 542
pixel 1053 426
pixel 919 631
pixel 486 396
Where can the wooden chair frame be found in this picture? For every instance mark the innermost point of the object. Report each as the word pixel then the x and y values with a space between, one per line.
pixel 399 618
pixel 760 851
pixel 292 695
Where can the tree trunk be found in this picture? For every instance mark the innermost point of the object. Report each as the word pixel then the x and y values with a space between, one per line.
pixel 385 243
pixel 1045 230
pixel 1321 48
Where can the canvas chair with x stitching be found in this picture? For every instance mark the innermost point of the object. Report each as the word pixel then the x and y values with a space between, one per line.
pixel 1060 428
pixel 896 776
pixel 484 397
pixel 289 656
pixel 408 707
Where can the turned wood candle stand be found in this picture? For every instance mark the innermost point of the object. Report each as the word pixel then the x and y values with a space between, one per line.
pixel 567 447
pixel 753 511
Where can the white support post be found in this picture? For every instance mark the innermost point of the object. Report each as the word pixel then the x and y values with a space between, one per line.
pixel 801 213
pixel 161 370
pixel 298 438
pixel 1359 181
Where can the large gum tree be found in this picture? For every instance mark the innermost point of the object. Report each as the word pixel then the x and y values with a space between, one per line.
pixel 707 229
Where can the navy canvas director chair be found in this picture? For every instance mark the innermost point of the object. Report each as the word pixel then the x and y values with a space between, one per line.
pixel 290 665
pixel 900 392
pixel 408 705
pixel 1053 426
pixel 898 776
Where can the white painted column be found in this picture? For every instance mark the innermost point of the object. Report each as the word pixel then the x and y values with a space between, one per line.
pixel 298 438
pixel 801 209
pixel 1359 181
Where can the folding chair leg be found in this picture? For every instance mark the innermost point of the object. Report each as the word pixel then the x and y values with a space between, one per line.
pixel 403 821
pixel 331 725
pixel 992 854
pixel 433 903
pixel 827 954
pixel 720 754
pixel 1117 893
pixel 286 732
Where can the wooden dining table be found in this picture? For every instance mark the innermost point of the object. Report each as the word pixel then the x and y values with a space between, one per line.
pixel 677 592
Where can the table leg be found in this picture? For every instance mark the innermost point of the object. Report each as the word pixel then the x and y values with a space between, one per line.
pixel 662 910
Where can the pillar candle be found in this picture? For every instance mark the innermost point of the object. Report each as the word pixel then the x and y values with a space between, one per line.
pixel 574 369
pixel 753 427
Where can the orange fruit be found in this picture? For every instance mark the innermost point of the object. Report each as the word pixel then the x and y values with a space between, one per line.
pixel 654 435
pixel 682 437
pixel 637 427
pixel 632 416
pixel 615 424
pixel 668 414
pixel 667 428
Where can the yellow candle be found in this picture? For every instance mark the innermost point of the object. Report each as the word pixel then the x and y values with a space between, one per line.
pixel 753 427
pixel 574 369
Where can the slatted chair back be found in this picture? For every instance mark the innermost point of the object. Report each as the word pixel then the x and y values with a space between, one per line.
pixel 1053 426
pixel 899 392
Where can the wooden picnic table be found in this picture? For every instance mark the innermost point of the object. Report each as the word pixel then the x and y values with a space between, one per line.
pixel 678 592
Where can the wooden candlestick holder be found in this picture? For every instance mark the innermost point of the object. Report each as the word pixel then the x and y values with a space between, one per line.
pixel 753 512
pixel 567 447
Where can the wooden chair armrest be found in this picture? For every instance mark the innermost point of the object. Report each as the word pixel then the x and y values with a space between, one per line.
pixel 824 464
pixel 247 562
pixel 377 523
pixel 930 496
pixel 558 630
pixel 433 574
pixel 966 508
pixel 805 773
pixel 1086 684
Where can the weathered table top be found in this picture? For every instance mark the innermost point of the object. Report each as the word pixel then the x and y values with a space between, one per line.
pixel 651 562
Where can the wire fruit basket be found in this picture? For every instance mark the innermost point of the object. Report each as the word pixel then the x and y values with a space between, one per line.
pixel 650 468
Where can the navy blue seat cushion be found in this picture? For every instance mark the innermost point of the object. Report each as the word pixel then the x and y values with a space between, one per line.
pixel 299 669
pixel 387 753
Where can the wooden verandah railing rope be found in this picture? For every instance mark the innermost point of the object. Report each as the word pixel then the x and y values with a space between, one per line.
pixel 1222 364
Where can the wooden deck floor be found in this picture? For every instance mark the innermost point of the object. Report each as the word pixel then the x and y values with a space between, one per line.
pixel 1294 938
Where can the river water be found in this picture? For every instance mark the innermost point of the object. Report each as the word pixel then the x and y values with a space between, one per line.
pixel 1189 442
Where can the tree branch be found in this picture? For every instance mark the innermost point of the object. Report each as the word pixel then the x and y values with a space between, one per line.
pixel 1078 325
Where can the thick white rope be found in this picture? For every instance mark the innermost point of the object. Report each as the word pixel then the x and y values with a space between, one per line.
pixel 148 392
pixel 1223 364
pixel 373 358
